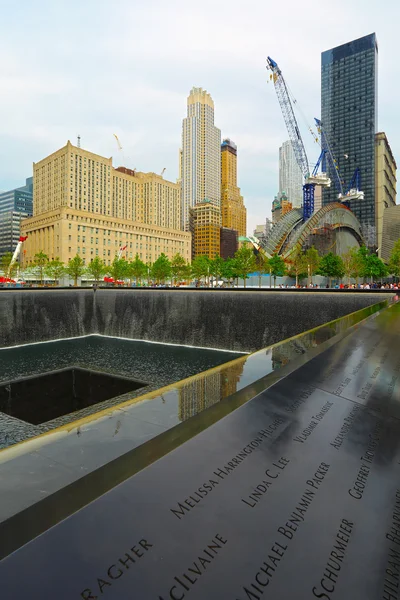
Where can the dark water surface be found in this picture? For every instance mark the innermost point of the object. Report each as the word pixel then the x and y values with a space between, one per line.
pixel 156 364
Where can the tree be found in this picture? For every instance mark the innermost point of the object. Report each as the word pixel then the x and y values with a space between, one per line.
pixel 394 261
pixel 161 268
pixel 216 267
pixel 312 259
pixel 201 267
pixel 5 264
pixel 96 269
pixel 178 267
pixel 331 265
pixel 229 270
pixel 262 265
pixel 372 266
pixel 245 262
pixel 137 269
pixel 55 269
pixel 297 265
pixel 352 263
pixel 277 267
pixel 118 269
pixel 40 261
pixel 75 268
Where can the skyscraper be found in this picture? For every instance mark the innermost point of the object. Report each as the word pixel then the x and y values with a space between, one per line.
pixel 349 76
pixel 290 177
pixel 201 154
pixel 15 205
pixel 232 205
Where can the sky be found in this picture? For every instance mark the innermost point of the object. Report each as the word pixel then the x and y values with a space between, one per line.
pixel 94 68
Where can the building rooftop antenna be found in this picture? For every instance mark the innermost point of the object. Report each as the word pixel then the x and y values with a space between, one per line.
pixel 79 141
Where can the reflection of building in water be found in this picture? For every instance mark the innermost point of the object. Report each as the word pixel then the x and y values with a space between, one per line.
pixel 230 377
pixel 199 394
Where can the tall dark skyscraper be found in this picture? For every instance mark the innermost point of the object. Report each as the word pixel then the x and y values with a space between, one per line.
pixel 349 76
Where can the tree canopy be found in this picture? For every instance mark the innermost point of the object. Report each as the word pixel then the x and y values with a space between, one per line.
pixel 40 261
pixel 161 268
pixel 75 268
pixel 394 261
pixel 331 266
pixel 245 262
pixel 277 267
pixel 312 259
pixel 96 269
pixel 55 269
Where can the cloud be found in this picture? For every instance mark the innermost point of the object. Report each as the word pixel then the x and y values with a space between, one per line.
pixel 95 69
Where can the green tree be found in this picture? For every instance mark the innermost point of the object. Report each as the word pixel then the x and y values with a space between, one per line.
pixel 262 265
pixel 55 269
pixel 75 268
pixel 216 267
pixel 161 268
pixel 372 267
pixel 331 266
pixel 137 269
pixel 118 269
pixel 201 267
pixel 96 269
pixel 312 259
pixel 245 262
pixel 229 270
pixel 394 261
pixel 40 261
pixel 352 263
pixel 178 267
pixel 5 264
pixel 297 265
pixel 277 267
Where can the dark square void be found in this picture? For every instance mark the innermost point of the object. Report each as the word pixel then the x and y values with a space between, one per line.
pixel 45 397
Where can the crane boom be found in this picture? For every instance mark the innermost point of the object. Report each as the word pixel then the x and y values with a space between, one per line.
pixel 328 154
pixel 353 192
pixel 118 142
pixel 315 178
pixel 16 253
pixel 289 117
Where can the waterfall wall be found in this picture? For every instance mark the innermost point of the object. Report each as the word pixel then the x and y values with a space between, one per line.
pixel 232 320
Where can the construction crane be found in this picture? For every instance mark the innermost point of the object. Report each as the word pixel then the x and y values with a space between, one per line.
pixel 352 192
pixel 118 142
pixel 315 178
pixel 16 254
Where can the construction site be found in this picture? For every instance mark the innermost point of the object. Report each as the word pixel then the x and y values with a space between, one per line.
pixel 333 227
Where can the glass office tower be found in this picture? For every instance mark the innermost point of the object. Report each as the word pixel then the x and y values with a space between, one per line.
pixel 349 75
pixel 15 205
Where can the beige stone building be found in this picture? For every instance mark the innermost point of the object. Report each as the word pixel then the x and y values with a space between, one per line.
pixel 232 205
pixel 391 230
pixel 82 205
pixel 385 184
pixel 205 225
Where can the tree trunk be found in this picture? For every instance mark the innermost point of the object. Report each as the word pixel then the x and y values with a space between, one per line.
pixel 259 280
pixel 274 281
pixel 297 279
pixel 330 282
pixel 244 281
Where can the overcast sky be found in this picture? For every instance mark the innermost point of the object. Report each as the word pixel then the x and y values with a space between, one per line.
pixel 95 68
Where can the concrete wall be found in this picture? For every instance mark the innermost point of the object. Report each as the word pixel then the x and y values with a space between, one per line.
pixel 233 320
